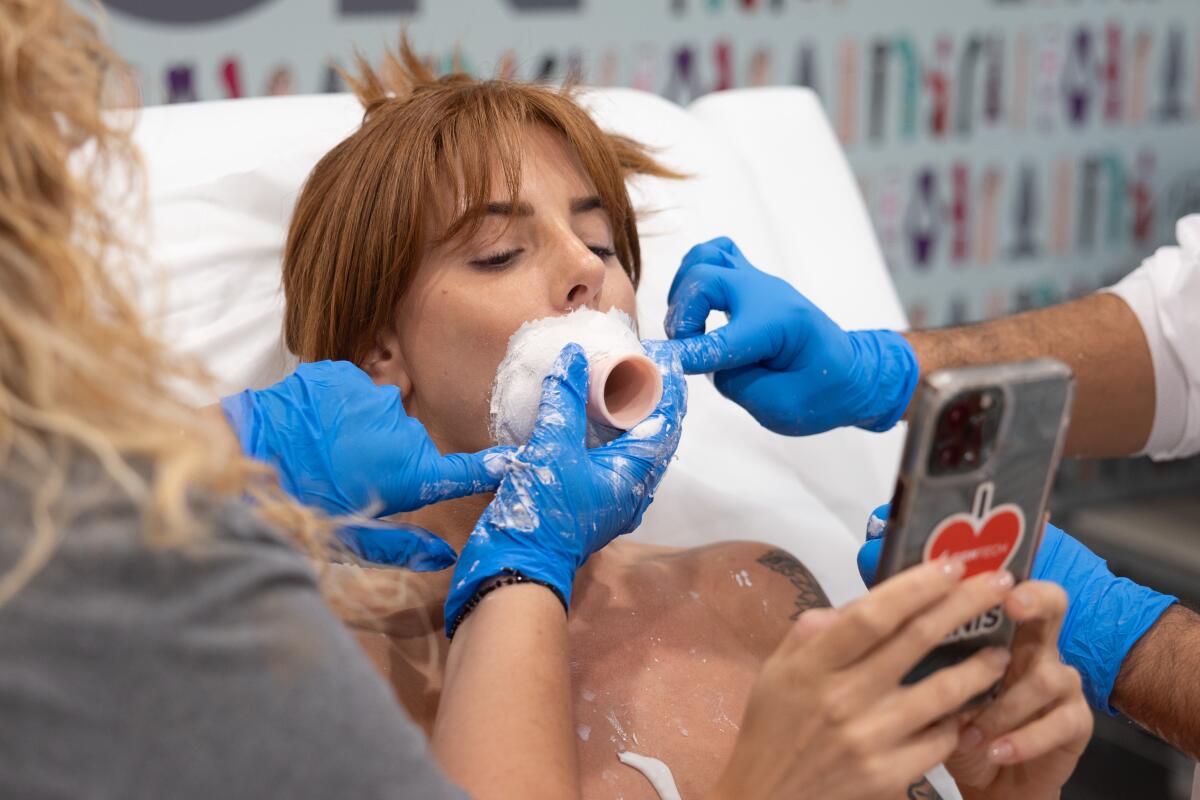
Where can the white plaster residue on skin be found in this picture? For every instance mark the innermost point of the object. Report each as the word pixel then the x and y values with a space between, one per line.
pixel 742 578
pixel 532 352
pixel 584 731
pixel 655 771
pixel 588 695
pixel 695 596
pixel 722 718
pixel 682 730
pixel 616 723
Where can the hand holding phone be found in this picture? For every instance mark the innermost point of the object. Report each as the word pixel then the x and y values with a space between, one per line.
pixel 1025 744
pixel 828 716
pixel 983 446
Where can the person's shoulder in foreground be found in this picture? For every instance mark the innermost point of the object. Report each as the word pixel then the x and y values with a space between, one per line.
pixel 210 670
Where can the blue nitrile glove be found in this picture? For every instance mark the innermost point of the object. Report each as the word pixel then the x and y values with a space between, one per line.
pixel 1106 615
pixel 559 502
pixel 346 446
pixel 780 357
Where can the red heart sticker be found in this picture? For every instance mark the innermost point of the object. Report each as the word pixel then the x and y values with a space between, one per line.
pixel 985 543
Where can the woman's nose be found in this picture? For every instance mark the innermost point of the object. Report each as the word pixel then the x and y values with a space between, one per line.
pixel 582 278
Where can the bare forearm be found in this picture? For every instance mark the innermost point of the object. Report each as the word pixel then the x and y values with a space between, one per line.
pixel 1157 685
pixel 504 725
pixel 1098 337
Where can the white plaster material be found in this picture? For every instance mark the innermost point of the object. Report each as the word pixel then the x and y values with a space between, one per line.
pixel 532 351
pixel 658 773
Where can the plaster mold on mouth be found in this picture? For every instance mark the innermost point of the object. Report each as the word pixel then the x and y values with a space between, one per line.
pixel 624 385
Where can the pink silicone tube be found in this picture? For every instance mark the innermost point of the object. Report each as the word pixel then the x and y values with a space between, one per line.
pixel 623 390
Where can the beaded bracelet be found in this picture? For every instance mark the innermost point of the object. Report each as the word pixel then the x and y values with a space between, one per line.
pixel 507 577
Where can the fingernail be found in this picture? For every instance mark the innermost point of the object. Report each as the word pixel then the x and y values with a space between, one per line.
pixel 969 739
pixel 1001 751
pixel 1003 579
pixel 953 568
pixel 1022 597
pixel 998 657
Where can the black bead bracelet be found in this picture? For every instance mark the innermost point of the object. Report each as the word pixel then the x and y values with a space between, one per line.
pixel 507 577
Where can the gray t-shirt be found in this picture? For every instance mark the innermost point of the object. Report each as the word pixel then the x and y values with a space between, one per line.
pixel 215 671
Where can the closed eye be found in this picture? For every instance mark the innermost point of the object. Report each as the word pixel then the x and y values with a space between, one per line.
pixel 605 253
pixel 496 260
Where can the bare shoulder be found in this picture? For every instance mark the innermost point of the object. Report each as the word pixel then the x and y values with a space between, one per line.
pixel 757 588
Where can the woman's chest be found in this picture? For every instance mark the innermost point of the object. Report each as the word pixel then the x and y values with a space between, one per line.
pixel 674 691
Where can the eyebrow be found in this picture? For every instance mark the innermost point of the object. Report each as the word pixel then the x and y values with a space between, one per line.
pixel 583 205
pixel 510 209
pixel 580 205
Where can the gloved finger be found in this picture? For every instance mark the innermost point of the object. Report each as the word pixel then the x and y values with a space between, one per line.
pixel 877 522
pixel 712 252
pixel 706 353
pixel 722 250
pixel 730 247
pixel 653 441
pixel 868 560
pixel 737 345
pixel 868 554
pixel 336 373
pixel 398 545
pixel 736 380
pixel 697 291
pixel 562 413
pixel 464 474
pixel 670 366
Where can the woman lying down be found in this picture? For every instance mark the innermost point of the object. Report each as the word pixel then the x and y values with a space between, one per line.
pixel 462 209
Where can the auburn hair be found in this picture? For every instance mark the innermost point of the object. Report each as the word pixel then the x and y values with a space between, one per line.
pixel 373 204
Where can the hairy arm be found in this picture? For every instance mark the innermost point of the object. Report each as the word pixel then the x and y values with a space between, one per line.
pixel 1156 686
pixel 1098 337
pixel 507 694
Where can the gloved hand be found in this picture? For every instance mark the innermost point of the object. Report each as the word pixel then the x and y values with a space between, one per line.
pixel 780 357
pixel 346 446
pixel 1106 615
pixel 560 502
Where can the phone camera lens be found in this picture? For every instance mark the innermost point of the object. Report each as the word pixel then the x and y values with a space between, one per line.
pixel 957 416
pixel 966 432
pixel 950 456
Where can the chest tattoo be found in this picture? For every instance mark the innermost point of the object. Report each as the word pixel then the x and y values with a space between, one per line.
pixel 809 592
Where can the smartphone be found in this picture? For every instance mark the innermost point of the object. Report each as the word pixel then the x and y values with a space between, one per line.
pixel 983 447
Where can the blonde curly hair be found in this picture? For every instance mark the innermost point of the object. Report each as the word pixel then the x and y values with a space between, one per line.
pixel 80 372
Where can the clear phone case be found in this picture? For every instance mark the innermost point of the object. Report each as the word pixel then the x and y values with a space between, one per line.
pixel 988 507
